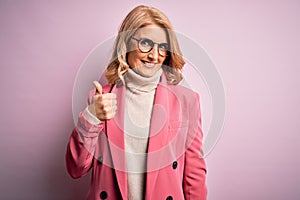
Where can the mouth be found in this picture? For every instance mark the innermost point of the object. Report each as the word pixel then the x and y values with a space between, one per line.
pixel 148 64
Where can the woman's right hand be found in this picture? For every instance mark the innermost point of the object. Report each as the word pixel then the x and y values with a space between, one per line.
pixel 103 106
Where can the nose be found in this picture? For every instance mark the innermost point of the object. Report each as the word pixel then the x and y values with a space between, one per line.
pixel 153 54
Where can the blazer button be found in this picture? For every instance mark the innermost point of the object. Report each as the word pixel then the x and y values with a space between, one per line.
pixel 103 195
pixel 175 164
pixel 169 198
pixel 100 159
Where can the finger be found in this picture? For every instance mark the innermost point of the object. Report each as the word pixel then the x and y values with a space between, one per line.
pixel 106 107
pixel 106 116
pixel 107 102
pixel 109 96
pixel 98 87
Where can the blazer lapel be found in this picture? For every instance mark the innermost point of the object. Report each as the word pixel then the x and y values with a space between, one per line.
pixel 115 134
pixel 158 137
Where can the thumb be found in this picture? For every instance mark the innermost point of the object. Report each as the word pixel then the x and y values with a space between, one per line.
pixel 98 87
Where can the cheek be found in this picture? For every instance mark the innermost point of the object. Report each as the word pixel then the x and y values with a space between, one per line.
pixel 161 60
pixel 132 58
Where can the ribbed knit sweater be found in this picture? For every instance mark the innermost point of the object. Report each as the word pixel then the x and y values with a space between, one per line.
pixel 138 109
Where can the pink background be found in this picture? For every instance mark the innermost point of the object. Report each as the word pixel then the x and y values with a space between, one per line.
pixel 254 44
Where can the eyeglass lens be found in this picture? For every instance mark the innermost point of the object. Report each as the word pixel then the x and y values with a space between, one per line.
pixel 146 45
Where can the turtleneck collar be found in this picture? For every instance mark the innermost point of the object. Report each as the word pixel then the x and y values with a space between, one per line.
pixel 139 84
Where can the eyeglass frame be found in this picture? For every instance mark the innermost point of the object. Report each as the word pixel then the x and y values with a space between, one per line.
pixel 158 44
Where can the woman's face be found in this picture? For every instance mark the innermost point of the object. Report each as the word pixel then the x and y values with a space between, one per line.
pixel 146 64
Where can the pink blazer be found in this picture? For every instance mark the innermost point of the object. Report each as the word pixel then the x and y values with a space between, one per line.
pixel 175 166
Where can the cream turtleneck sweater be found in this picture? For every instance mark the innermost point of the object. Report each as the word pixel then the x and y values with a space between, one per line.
pixel 138 109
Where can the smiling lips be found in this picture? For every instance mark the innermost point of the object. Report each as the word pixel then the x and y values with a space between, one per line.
pixel 148 64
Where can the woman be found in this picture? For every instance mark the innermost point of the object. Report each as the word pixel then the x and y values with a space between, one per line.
pixel 141 134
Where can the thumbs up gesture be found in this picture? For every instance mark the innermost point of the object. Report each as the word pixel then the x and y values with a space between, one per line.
pixel 103 106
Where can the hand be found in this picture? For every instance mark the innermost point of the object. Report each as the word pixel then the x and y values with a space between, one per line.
pixel 103 106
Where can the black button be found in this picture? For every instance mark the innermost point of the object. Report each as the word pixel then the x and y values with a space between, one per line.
pixel 103 195
pixel 175 164
pixel 169 198
pixel 100 159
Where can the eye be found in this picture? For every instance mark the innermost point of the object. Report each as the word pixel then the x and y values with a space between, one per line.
pixel 146 42
pixel 164 46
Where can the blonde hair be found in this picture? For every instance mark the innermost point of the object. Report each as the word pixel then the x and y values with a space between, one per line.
pixel 139 17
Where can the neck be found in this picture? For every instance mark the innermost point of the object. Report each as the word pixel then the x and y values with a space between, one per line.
pixel 139 84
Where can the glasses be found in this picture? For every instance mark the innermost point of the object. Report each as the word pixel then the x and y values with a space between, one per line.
pixel 146 45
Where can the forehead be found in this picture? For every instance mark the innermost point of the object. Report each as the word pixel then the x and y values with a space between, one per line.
pixel 153 32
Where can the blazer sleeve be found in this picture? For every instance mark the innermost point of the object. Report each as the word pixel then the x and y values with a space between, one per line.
pixel 194 177
pixel 81 147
